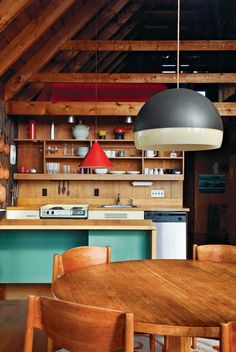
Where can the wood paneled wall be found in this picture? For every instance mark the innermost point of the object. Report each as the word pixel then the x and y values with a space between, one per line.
pixel 83 191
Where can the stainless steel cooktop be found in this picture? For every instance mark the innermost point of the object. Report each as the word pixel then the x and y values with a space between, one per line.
pixel 79 211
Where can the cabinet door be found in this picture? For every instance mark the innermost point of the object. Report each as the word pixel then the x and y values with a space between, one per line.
pixel 125 245
pixel 26 256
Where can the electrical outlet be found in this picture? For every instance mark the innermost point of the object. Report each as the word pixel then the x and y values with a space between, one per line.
pixel 157 193
pixel 44 192
pixel 96 192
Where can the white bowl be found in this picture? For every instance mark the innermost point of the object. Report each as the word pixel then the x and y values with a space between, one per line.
pixel 101 171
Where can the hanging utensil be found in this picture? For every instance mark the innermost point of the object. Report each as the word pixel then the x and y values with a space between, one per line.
pixel 59 187
pixel 68 188
pixel 63 190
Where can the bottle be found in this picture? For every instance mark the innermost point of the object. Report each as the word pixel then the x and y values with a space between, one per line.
pixel 65 149
pixel 52 130
pixel 32 129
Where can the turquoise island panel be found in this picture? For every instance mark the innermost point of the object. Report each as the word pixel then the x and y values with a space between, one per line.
pixel 125 245
pixel 26 256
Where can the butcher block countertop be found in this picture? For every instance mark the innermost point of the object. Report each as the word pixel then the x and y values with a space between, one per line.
pixel 96 207
pixel 140 207
pixel 76 224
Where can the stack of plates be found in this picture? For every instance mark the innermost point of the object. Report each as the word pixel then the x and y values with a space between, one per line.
pixel 123 172
pixel 117 172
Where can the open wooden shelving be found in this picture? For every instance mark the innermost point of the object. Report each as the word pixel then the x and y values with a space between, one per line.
pixel 102 177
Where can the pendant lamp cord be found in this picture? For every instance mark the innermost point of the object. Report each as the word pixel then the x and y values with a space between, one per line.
pixel 178 36
pixel 96 69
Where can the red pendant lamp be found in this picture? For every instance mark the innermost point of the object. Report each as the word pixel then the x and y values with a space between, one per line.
pixel 96 157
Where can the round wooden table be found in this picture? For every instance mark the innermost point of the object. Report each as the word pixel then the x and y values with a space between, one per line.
pixel 178 298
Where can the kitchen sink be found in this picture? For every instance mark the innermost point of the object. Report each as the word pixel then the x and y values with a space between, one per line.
pixel 118 206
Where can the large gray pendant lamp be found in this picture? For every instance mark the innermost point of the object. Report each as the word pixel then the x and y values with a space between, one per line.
pixel 178 119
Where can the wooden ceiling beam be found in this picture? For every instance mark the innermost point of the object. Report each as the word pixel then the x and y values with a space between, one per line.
pixel 9 10
pixel 91 108
pixel 32 32
pixel 151 45
pixel 133 77
pixel 50 48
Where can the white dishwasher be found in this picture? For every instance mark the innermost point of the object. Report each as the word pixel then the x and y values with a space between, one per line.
pixel 171 229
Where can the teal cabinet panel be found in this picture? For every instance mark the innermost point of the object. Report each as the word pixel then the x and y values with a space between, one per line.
pixel 125 245
pixel 26 256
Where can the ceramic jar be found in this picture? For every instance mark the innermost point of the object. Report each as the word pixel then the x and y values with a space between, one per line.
pixel 80 131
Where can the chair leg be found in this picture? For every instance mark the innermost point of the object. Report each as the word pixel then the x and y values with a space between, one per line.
pixel 152 342
pixel 52 346
pixel 164 345
pixel 194 343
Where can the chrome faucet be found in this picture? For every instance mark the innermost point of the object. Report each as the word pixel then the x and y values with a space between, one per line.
pixel 118 199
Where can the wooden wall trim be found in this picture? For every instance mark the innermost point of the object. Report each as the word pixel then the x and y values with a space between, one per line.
pixel 91 108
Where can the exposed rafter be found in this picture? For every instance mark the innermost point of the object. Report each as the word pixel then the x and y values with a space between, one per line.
pixel 9 9
pixel 104 60
pixel 33 65
pixel 63 58
pixel 109 31
pixel 31 33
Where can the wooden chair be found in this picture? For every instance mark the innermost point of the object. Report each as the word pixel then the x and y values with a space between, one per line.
pixel 228 337
pixel 79 257
pixel 213 253
pixel 79 328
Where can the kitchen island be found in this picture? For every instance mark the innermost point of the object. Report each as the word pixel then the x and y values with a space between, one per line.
pixel 27 246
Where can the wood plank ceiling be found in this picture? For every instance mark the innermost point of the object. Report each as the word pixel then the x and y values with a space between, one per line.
pixel 45 41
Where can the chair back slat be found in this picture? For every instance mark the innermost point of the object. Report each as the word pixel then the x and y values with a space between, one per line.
pixel 215 253
pixel 79 257
pixel 81 328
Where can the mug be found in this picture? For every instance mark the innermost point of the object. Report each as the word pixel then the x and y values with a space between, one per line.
pixel 150 153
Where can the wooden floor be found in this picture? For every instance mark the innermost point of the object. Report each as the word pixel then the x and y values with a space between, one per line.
pixel 12 327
